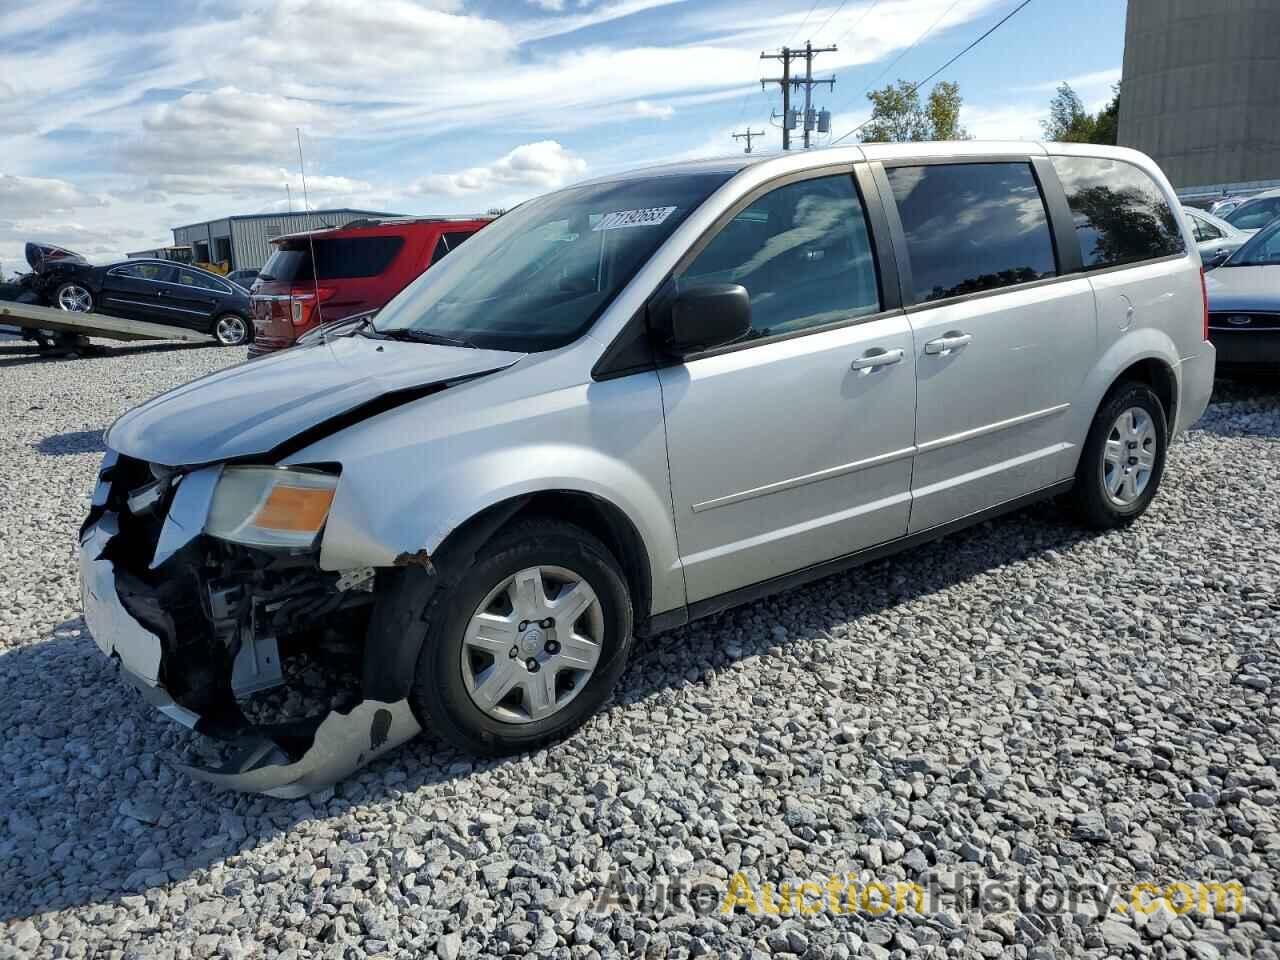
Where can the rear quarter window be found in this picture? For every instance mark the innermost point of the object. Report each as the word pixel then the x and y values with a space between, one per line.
pixel 355 257
pixel 1120 215
pixel 342 258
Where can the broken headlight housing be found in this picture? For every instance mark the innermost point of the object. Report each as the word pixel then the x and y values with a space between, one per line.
pixel 271 507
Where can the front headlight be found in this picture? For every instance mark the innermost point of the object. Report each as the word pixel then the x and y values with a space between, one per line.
pixel 270 506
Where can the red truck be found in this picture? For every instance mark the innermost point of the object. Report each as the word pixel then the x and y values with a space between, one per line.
pixel 325 275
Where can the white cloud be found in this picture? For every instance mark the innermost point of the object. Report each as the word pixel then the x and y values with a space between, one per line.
pixel 1081 81
pixel 662 111
pixel 1005 122
pixel 252 178
pixel 38 196
pixel 534 166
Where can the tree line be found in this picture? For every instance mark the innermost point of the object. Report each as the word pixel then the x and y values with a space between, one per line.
pixel 899 116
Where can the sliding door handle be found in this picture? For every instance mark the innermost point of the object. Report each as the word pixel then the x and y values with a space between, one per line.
pixel 951 340
pixel 877 357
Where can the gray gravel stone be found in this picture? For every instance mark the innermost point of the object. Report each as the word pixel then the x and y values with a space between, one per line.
pixel 1022 701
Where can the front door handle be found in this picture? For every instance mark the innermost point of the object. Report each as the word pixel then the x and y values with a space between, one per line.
pixel 951 340
pixel 877 357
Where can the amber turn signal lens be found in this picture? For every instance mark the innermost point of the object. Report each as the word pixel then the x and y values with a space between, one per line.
pixel 302 509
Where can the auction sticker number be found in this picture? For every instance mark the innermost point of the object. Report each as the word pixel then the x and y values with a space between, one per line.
pixel 622 219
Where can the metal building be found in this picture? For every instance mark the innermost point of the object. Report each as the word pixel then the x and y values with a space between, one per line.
pixel 1199 91
pixel 244 242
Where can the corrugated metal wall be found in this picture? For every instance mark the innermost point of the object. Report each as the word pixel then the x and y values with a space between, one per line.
pixel 251 235
pixel 1199 88
pixel 251 238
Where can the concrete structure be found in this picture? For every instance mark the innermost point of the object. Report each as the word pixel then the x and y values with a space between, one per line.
pixel 1199 90
pixel 244 242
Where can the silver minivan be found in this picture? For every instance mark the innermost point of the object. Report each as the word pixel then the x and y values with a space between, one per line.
pixel 630 403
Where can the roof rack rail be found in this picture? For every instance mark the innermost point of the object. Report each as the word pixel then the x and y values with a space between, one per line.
pixel 386 221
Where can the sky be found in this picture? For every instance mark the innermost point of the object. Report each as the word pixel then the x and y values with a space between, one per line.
pixel 120 119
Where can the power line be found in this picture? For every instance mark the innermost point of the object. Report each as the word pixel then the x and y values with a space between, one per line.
pixel 857 23
pixel 917 85
pixel 831 15
pixel 812 7
pixel 928 30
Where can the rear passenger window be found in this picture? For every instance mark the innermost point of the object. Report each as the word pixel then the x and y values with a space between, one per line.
pixel 1120 214
pixel 972 227
pixel 803 253
pixel 355 257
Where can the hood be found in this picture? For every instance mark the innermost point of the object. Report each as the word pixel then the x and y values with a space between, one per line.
pixel 1243 288
pixel 41 254
pixel 258 406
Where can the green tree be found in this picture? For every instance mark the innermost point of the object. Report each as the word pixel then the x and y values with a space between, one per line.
pixel 1070 122
pixel 1107 127
pixel 898 116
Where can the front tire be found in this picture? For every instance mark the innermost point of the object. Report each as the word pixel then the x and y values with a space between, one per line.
pixel 73 297
pixel 231 330
pixel 1123 458
pixel 524 644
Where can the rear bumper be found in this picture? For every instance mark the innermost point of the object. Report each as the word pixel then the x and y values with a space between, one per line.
pixel 263 344
pixel 1196 387
pixel 1254 349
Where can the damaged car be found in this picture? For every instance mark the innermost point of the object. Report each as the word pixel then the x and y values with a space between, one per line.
pixel 624 405
pixel 152 291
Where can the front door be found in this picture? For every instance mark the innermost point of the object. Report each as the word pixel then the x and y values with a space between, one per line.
pixel 132 291
pixel 793 446
pixel 1002 345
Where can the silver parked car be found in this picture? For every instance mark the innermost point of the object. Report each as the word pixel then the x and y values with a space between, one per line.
pixel 1256 212
pixel 1215 238
pixel 630 403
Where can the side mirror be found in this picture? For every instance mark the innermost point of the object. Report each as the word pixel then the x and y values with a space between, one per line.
pixel 708 315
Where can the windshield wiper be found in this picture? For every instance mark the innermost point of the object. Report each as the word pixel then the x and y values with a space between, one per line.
pixel 424 336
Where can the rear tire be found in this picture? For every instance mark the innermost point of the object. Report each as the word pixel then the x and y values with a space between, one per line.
pixel 1123 458
pixel 231 330
pixel 473 637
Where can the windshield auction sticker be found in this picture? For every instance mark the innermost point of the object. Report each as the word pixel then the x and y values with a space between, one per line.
pixel 622 219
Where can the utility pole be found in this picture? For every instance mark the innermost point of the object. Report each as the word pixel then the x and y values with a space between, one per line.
pixel 787 82
pixel 783 81
pixel 809 82
pixel 747 136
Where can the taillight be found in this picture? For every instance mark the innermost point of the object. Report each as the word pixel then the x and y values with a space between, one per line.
pixel 1204 301
pixel 302 303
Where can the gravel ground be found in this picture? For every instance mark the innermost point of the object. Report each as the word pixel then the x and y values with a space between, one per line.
pixel 1021 702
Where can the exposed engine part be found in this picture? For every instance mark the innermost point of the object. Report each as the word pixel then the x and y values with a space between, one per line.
pixel 257 665
pixel 358 578
pixel 201 625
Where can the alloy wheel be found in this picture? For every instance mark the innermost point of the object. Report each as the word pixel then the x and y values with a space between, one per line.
pixel 1129 456
pixel 74 298
pixel 532 644
pixel 231 330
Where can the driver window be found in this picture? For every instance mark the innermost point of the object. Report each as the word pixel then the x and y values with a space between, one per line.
pixel 802 251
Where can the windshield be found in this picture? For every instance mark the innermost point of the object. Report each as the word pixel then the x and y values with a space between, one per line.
pixel 539 276
pixel 1262 250
pixel 1254 214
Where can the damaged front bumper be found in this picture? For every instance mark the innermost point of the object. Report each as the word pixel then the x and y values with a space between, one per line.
pixel 169 650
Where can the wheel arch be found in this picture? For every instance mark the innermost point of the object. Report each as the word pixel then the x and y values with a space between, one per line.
pixel 1146 355
pixel 1157 374
pixel 392 646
